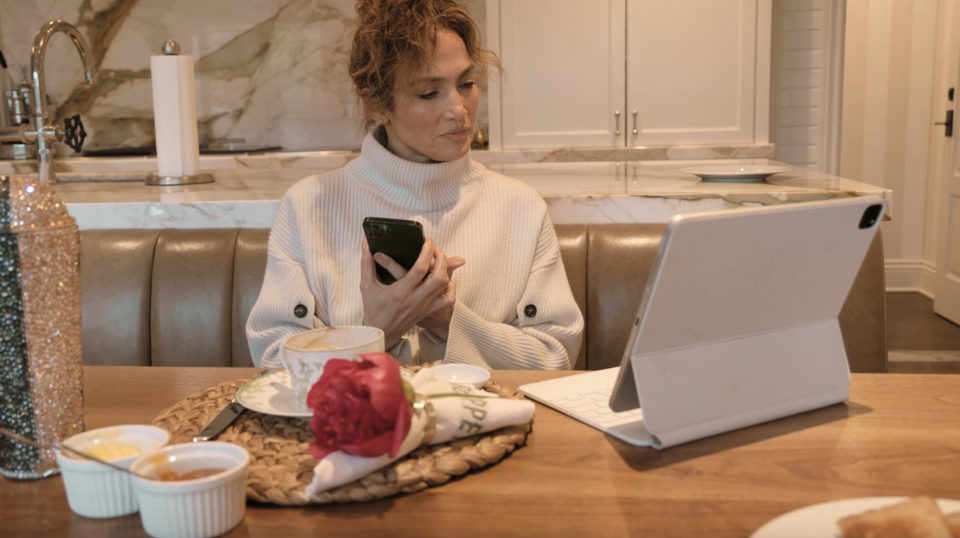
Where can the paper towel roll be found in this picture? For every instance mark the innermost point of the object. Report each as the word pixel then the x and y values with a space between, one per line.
pixel 175 115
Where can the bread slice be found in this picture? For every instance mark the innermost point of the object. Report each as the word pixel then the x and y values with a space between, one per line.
pixel 953 521
pixel 918 517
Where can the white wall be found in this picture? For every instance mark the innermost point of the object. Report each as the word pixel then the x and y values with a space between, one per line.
pixel 889 100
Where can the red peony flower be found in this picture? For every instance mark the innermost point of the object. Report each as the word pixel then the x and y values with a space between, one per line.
pixel 359 407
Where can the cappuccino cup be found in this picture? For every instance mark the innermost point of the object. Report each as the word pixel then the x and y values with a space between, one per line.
pixel 305 354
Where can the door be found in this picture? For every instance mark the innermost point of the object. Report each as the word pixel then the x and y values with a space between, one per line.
pixel 564 63
pixel 947 298
pixel 947 161
pixel 691 69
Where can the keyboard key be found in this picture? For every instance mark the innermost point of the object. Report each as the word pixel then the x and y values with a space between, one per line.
pixel 603 410
pixel 584 407
pixel 590 414
pixel 598 397
pixel 624 414
pixel 603 419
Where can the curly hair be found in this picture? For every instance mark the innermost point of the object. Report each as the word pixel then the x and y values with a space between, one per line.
pixel 395 42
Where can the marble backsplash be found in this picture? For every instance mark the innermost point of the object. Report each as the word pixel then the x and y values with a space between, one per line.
pixel 271 72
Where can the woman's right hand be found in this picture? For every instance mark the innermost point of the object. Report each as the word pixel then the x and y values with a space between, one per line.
pixel 397 307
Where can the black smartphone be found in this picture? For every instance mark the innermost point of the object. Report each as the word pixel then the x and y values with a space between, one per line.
pixel 400 239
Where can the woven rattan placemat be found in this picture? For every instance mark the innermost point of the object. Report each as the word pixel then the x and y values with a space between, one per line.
pixel 281 465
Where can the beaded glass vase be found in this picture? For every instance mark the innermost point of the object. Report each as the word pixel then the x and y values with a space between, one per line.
pixel 41 362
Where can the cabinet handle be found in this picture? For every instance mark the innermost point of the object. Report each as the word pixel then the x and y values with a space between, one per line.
pixel 617 114
pixel 634 121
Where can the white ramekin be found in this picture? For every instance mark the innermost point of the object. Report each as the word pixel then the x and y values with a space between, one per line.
pixel 95 490
pixel 461 374
pixel 198 508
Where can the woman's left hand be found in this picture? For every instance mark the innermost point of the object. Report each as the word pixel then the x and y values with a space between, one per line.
pixel 438 322
pixel 412 299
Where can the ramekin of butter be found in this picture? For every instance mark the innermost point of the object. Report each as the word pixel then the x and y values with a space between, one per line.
pixel 95 490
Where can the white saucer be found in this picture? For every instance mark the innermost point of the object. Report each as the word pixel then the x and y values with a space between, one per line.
pixel 820 520
pixel 271 394
pixel 728 172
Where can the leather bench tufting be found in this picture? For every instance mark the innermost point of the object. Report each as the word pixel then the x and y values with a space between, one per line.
pixel 177 297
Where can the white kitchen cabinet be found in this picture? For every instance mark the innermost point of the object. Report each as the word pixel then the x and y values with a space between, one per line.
pixel 615 73
pixel 565 79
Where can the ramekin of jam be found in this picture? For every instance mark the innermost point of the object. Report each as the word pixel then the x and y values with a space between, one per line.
pixel 196 489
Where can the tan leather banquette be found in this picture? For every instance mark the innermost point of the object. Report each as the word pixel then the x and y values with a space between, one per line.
pixel 181 297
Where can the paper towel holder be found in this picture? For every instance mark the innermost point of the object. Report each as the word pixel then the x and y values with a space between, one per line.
pixel 172 48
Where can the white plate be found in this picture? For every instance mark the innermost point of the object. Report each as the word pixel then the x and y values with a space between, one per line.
pixel 728 172
pixel 820 520
pixel 271 394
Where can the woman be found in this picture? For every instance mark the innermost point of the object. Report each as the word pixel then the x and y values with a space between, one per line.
pixel 504 300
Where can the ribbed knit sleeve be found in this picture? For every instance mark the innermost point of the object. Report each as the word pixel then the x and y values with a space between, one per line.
pixel 546 336
pixel 273 316
pixel 293 262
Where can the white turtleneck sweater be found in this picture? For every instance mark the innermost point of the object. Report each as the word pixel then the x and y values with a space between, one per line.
pixel 498 225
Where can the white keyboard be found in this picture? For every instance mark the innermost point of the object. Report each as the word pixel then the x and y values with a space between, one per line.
pixel 586 398
pixel 593 406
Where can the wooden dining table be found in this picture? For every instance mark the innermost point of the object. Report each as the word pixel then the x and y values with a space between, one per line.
pixel 897 435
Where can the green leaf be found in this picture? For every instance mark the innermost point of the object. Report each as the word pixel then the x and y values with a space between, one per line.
pixel 458 395
pixel 408 391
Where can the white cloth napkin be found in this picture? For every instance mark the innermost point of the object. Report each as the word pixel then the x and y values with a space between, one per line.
pixel 456 417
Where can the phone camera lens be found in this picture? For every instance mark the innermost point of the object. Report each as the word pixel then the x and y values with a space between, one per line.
pixel 375 235
pixel 870 216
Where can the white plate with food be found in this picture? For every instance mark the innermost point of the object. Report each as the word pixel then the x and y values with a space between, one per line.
pixel 820 520
pixel 734 172
pixel 271 394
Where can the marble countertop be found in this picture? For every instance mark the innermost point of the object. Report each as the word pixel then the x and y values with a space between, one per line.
pixel 655 191
pixel 576 192
pixel 80 167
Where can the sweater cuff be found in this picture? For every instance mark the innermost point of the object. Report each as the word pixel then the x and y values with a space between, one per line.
pixel 402 351
pixel 461 347
pixel 433 349
pixel 500 346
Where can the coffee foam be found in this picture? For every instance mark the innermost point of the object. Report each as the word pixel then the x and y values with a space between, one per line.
pixel 330 339
pixel 321 341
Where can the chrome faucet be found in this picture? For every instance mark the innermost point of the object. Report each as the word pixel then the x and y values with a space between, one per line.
pixel 42 133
